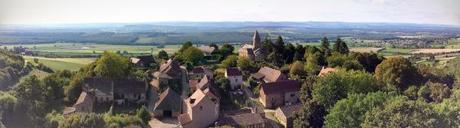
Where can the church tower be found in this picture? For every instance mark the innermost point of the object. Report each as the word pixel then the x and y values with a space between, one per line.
pixel 256 41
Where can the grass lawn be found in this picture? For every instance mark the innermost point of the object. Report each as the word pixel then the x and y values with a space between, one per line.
pixel 62 63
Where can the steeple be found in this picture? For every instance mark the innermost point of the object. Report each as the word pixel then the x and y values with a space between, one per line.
pixel 256 40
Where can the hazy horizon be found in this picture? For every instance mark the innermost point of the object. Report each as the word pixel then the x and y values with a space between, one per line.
pixel 43 12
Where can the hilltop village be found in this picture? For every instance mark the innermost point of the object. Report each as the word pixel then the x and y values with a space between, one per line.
pixel 193 98
pixel 259 84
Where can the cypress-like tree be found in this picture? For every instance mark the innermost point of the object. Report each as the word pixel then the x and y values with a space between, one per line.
pixel 324 44
pixel 340 46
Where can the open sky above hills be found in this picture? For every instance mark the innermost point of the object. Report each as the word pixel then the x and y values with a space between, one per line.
pixel 131 11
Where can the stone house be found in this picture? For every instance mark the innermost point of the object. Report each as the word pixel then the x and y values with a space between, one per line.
pixel 235 77
pixel 202 109
pixel 275 94
pixel 168 105
pixel 286 114
pixel 169 74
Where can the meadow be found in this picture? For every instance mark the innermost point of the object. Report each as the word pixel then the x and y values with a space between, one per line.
pixel 72 64
pixel 90 48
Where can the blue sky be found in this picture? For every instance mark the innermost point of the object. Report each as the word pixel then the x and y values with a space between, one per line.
pixel 129 11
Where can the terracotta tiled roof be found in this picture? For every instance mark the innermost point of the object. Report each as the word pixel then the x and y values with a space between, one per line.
pixel 184 119
pixel 204 83
pixel 144 59
pixel 325 71
pixel 193 83
pixel 291 110
pixel 270 74
pixel 84 99
pixel 196 97
pixel 169 100
pixel 245 119
pixel 98 84
pixel 171 67
pixel 232 71
pixel 201 70
pixel 280 87
pixel 155 83
pixel 130 86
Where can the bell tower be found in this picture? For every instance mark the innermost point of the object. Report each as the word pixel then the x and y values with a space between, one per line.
pixel 256 41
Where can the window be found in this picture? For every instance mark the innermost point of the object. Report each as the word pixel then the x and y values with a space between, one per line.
pixel 201 107
pixel 292 95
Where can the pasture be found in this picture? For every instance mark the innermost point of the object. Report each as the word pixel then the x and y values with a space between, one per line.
pixel 366 50
pixel 434 51
pixel 87 48
pixel 72 64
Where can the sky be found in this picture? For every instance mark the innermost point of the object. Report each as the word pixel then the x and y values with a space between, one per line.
pixel 132 11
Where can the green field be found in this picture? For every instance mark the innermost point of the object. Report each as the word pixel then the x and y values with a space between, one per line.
pixel 454 43
pixel 61 63
pixel 81 48
pixel 395 51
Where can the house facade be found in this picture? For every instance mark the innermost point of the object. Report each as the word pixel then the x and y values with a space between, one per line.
pixel 169 105
pixel 202 109
pixel 235 77
pixel 280 93
pixel 286 114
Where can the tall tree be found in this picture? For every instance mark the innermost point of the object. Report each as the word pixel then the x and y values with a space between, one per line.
pixel 368 60
pixel 340 46
pixel 332 87
pixel 397 73
pixel 226 50
pixel 297 69
pixel 230 61
pixel 163 55
pixel 350 112
pixel 112 66
pixel 185 46
pixel 192 55
pixel 401 112
pixel 279 45
pixel 268 44
pixel 299 52
pixel 289 53
pixel 325 45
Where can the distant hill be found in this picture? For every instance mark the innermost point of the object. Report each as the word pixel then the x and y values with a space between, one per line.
pixel 213 32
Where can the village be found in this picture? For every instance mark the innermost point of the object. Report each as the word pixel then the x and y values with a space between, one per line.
pixel 176 96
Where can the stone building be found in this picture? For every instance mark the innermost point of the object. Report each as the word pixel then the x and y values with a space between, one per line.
pixel 254 51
